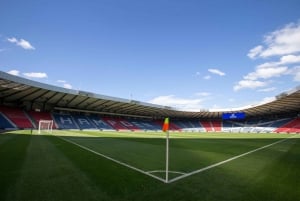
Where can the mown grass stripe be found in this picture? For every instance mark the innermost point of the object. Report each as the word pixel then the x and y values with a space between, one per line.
pixel 114 160
pixel 226 161
pixel 12 156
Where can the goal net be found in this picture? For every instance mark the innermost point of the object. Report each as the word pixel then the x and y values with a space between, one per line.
pixel 45 126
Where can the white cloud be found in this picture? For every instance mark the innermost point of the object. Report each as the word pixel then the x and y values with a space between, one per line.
pixel 207 77
pixel 12 40
pixel 297 77
pixel 250 84
pixel 61 81
pixel 266 72
pixel 274 69
pixel 289 59
pixel 14 72
pixel 269 70
pixel 22 43
pixel 296 73
pixel 267 89
pixel 67 86
pixel 284 60
pixel 179 103
pixel 216 71
pixel 202 94
pixel 267 100
pixel 231 100
pixel 279 42
pixel 286 45
pixel 255 51
pixel 35 75
pixel 197 74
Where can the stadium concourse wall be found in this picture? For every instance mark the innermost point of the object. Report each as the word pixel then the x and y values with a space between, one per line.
pixel 12 118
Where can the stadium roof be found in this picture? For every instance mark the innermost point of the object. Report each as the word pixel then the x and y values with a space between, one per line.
pixel 23 92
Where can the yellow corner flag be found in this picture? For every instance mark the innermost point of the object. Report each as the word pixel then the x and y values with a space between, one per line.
pixel 166 125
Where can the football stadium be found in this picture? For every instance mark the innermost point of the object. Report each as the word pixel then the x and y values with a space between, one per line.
pixel 65 144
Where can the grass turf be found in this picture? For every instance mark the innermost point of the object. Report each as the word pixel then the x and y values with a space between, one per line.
pixel 41 167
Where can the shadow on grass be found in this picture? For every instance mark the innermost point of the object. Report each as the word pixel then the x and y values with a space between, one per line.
pixel 245 179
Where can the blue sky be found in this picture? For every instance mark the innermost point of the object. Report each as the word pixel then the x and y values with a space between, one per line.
pixel 188 54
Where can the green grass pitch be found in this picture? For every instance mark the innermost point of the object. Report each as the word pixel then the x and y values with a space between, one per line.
pixel 94 165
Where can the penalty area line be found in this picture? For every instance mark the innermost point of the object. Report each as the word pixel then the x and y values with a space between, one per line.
pixel 114 160
pixel 226 161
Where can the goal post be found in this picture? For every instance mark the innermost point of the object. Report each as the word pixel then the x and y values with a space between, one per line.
pixel 45 125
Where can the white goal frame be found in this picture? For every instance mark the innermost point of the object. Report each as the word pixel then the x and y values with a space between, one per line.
pixel 47 128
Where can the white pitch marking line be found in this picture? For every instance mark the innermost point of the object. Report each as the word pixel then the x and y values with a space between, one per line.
pixel 226 161
pixel 182 176
pixel 163 171
pixel 114 160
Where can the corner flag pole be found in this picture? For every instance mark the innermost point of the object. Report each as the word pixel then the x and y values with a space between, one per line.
pixel 167 157
pixel 166 129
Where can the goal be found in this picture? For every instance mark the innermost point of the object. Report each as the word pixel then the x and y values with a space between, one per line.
pixel 45 125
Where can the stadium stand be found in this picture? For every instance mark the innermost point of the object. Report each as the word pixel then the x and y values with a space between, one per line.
pixel 292 126
pixel 5 123
pixel 65 121
pixel 189 125
pixel 75 109
pixel 144 124
pixel 118 123
pixel 217 125
pixel 254 125
pixel 37 116
pixel 17 116
pixel 226 126
pixel 207 125
pixel 172 125
pixel 99 123
pixel 129 125
pixel 84 122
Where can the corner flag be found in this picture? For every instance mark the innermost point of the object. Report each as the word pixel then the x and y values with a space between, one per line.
pixel 165 128
pixel 166 125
